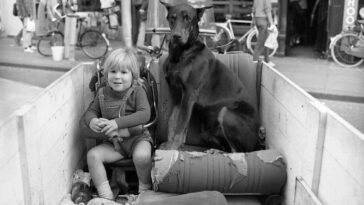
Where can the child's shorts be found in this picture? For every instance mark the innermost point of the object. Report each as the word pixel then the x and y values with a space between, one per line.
pixel 128 144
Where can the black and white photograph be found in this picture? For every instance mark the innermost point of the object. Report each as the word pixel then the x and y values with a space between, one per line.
pixel 182 102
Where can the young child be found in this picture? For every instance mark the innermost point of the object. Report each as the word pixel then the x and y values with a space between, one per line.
pixel 105 115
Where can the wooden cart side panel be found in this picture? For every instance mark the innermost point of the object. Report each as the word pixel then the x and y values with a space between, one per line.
pixel 11 188
pixel 304 194
pixel 292 122
pixel 342 175
pixel 50 136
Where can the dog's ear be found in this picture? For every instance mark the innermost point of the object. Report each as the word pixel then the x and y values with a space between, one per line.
pixel 166 4
pixel 200 12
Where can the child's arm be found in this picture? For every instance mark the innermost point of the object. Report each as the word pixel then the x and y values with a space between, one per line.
pixel 93 111
pixel 142 111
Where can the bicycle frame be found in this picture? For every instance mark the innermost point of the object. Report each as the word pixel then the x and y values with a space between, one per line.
pixel 228 25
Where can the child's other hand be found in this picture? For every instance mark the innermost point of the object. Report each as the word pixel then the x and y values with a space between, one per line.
pixel 110 126
pixel 96 125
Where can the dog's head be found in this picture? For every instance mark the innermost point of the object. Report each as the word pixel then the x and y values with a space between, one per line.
pixel 183 21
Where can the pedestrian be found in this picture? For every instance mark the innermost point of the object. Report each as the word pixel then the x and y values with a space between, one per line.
pixel 139 17
pixel 126 138
pixel 26 14
pixel 262 18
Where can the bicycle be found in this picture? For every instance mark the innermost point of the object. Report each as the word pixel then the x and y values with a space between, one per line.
pixel 347 48
pixel 225 37
pixel 93 43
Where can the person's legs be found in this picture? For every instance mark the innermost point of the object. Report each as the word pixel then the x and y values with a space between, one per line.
pixel 18 37
pixel 142 158
pixel 27 36
pixel 96 157
pixel 262 26
pixel 20 34
pixel 135 23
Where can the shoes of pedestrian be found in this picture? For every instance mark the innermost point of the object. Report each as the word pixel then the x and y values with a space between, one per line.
pixel 28 50
pixel 271 64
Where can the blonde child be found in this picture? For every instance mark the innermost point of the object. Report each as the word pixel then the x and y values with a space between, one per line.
pixel 106 115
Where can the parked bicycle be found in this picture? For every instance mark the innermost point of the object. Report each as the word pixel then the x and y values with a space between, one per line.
pixel 225 37
pixel 347 48
pixel 92 42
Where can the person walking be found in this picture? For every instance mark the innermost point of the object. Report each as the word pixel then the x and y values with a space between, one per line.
pixel 262 18
pixel 139 17
pixel 26 14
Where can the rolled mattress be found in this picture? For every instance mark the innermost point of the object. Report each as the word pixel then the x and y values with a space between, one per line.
pixel 260 172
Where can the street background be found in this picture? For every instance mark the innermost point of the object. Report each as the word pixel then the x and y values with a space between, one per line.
pixel 341 89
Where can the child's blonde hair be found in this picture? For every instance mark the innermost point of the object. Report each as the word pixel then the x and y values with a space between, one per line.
pixel 121 58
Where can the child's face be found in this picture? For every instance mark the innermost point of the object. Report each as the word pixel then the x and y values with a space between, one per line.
pixel 119 79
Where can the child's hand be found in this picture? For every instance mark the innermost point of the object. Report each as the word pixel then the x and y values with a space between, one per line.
pixel 110 126
pixel 96 125
pixel 124 132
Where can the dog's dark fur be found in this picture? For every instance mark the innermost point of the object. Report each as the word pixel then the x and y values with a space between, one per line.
pixel 202 86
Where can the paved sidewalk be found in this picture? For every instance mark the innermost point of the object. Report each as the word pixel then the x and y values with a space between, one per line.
pixel 323 78
pixel 10 54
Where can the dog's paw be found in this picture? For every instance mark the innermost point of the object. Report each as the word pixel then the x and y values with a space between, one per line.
pixel 214 151
pixel 168 146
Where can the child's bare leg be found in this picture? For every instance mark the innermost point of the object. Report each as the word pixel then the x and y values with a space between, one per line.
pixel 96 157
pixel 142 158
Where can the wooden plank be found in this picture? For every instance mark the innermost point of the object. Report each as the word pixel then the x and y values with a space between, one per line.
pixel 321 136
pixel 342 176
pixel 50 127
pixel 304 195
pixel 292 123
pixel 61 181
pixel 11 188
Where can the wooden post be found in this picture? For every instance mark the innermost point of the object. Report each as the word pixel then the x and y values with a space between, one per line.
pixel 321 135
pixel 70 37
pixel 126 21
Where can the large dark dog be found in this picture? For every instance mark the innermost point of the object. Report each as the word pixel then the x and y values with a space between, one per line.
pixel 202 86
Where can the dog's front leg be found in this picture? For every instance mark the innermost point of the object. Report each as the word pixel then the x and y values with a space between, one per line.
pixel 178 124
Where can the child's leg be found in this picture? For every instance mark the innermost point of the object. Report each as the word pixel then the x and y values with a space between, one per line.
pixel 142 158
pixel 96 157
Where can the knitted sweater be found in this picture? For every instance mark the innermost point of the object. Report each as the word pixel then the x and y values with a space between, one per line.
pixel 137 109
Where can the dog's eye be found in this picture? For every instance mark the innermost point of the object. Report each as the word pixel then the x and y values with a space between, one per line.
pixel 172 17
pixel 186 18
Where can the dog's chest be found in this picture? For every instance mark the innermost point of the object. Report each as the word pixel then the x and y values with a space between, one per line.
pixel 178 73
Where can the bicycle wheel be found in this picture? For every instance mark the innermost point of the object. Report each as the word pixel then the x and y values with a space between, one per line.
pixel 45 43
pixel 251 42
pixel 222 38
pixel 340 47
pixel 94 44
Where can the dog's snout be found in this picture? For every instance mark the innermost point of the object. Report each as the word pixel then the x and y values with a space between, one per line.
pixel 176 37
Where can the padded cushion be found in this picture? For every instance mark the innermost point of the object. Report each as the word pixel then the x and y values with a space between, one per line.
pixel 242 64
